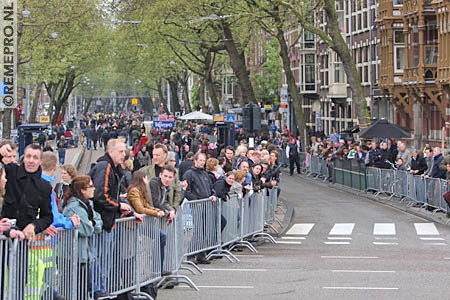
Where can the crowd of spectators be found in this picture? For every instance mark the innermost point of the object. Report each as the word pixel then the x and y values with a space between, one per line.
pixel 379 153
pixel 142 172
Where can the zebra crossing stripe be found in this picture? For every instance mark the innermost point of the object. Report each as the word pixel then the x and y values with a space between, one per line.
pixel 342 229
pixel 384 229
pixel 301 229
pixel 426 229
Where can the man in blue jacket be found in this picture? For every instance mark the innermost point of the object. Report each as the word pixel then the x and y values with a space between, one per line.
pixel 49 165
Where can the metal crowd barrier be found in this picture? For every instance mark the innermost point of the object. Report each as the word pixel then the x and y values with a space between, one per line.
pixel 40 269
pixel 203 233
pixel 132 255
pixel 282 157
pixel 314 167
pixel 417 190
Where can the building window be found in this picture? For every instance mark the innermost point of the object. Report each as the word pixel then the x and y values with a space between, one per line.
pixel 431 40
pixel 365 20
pixel 413 37
pixel 366 74
pixel 338 70
pixel 398 2
pixel 399 51
pixel 308 39
pixel 308 72
pixel 399 58
pixel 228 85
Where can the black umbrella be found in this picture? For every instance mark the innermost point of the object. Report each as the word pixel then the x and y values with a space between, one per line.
pixel 383 129
pixel 354 129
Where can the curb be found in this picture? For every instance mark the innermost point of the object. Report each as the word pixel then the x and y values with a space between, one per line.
pixel 76 160
pixel 290 211
pixel 391 203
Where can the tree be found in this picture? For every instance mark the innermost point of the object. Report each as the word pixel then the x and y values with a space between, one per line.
pixel 60 51
pixel 268 81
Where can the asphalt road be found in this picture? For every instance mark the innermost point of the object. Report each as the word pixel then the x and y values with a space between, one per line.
pixel 339 246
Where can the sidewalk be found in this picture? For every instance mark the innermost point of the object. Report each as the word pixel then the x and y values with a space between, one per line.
pixel 73 156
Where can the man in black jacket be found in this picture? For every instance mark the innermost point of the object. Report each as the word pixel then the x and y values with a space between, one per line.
pixel 27 194
pixel 107 178
pixel 199 187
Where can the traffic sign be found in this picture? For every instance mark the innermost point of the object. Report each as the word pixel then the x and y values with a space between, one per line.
pixel 44 119
pixel 134 101
pixel 231 118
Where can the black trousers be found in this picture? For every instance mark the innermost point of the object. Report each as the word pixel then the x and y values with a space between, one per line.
pixel 294 160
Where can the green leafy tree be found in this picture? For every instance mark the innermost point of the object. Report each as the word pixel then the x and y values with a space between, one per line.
pixel 268 81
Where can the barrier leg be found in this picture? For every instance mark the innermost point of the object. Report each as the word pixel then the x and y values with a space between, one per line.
pixel 223 253
pixel 192 264
pixel 265 236
pixel 244 244
pixel 171 279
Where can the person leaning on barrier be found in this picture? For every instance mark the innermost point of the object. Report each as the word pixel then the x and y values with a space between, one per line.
pixel 68 173
pixel 160 190
pixel 436 171
pixel 223 185
pixel 139 197
pixel 27 194
pixel 7 229
pixel 49 166
pixel 418 163
pixel 77 203
pixel 403 153
pixel 107 176
pixel 429 159
pixel 160 154
pixel 199 187
pixel 6 226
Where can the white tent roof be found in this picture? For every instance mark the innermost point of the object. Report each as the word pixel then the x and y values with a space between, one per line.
pixel 196 115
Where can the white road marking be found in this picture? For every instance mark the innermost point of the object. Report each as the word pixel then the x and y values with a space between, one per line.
pixel 385 243
pixel 351 257
pixel 426 229
pixel 339 238
pixel 337 243
pixel 384 229
pixel 357 288
pixel 301 228
pixel 236 270
pixel 435 244
pixel 362 271
pixel 289 243
pixel 386 238
pixel 431 239
pixel 250 255
pixel 222 286
pixel 293 238
pixel 342 229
